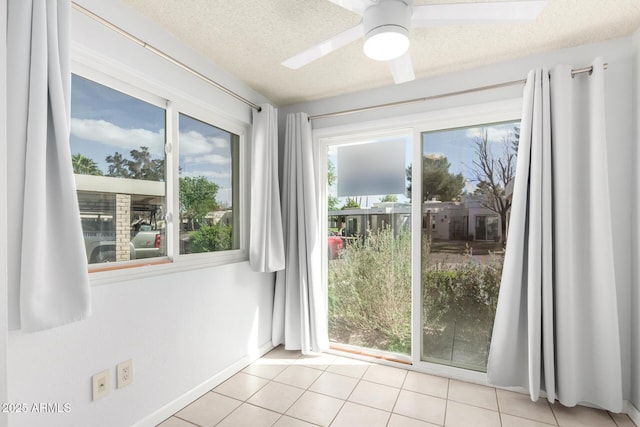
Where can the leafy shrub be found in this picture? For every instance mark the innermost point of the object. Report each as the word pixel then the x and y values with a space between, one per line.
pixel 463 292
pixel 370 292
pixel 370 296
pixel 210 238
pixel 459 305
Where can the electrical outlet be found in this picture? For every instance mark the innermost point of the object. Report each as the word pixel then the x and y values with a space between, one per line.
pixel 100 383
pixel 125 373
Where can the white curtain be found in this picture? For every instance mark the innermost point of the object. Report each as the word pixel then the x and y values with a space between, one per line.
pixel 557 326
pixel 299 312
pixel 47 256
pixel 266 246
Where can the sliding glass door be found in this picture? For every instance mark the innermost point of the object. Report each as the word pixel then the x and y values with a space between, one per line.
pixel 369 242
pixel 416 224
pixel 467 176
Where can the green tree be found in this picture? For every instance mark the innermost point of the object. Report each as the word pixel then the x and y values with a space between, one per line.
pixel 117 166
pixel 197 198
pixel 351 203
pixel 389 198
pixel 83 165
pixel 140 166
pixel 437 181
pixel 332 201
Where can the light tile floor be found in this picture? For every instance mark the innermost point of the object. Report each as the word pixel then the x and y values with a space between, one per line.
pixel 286 389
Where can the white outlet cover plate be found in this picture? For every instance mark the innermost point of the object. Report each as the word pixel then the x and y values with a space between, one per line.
pixel 100 384
pixel 125 373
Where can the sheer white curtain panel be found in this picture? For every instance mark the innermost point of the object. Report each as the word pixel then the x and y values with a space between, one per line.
pixel 47 258
pixel 299 312
pixel 557 326
pixel 266 245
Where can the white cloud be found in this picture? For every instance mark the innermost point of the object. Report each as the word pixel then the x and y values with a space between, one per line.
pixel 214 159
pixel 219 142
pixel 434 156
pixel 494 133
pixel 109 134
pixel 194 147
pixel 195 143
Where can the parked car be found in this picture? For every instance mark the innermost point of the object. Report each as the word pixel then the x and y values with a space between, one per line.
pixel 334 245
pixel 146 243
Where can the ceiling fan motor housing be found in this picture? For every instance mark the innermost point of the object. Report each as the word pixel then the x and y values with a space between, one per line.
pixel 390 17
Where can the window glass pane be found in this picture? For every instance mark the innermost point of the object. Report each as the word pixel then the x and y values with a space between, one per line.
pixel 467 179
pixel 369 244
pixel 208 196
pixel 117 147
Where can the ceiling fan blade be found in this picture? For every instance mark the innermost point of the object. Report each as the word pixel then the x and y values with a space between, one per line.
pixel 402 69
pixel 476 13
pixel 357 6
pixel 324 48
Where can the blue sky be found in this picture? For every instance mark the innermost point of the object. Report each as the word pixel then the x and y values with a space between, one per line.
pixel 458 146
pixel 206 151
pixel 105 121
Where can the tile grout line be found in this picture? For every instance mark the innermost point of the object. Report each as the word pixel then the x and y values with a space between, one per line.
pixel 292 403
pixel 234 409
pixel 302 394
pixel 182 419
pixel 397 397
pixel 257 406
pixel 344 401
pixel 495 393
pixel 446 403
pixel 554 412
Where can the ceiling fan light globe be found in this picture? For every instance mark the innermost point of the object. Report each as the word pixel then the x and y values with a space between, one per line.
pixel 385 44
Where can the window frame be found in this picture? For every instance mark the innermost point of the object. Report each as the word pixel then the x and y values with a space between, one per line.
pixel 174 102
pixel 210 118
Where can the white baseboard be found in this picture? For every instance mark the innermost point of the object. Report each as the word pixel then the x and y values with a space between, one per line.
pixel 633 413
pixel 172 407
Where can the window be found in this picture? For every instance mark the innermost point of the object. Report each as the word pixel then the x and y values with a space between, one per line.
pixel 369 243
pixel 117 146
pixel 208 198
pixel 130 182
pixel 466 173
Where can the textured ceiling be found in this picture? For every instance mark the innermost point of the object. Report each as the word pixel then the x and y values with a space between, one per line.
pixel 250 38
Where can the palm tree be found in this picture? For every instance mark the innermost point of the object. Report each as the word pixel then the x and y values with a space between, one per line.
pixel 83 165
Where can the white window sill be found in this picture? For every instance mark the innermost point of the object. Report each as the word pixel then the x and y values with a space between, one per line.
pixel 154 267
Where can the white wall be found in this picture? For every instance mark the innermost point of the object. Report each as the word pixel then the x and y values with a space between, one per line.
pixel 3 214
pixel 635 301
pixel 619 107
pixel 180 330
pixel 184 331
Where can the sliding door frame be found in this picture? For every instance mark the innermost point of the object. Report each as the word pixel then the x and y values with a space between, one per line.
pixel 479 114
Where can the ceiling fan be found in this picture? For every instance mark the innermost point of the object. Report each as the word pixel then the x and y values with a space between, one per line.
pixel 385 27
